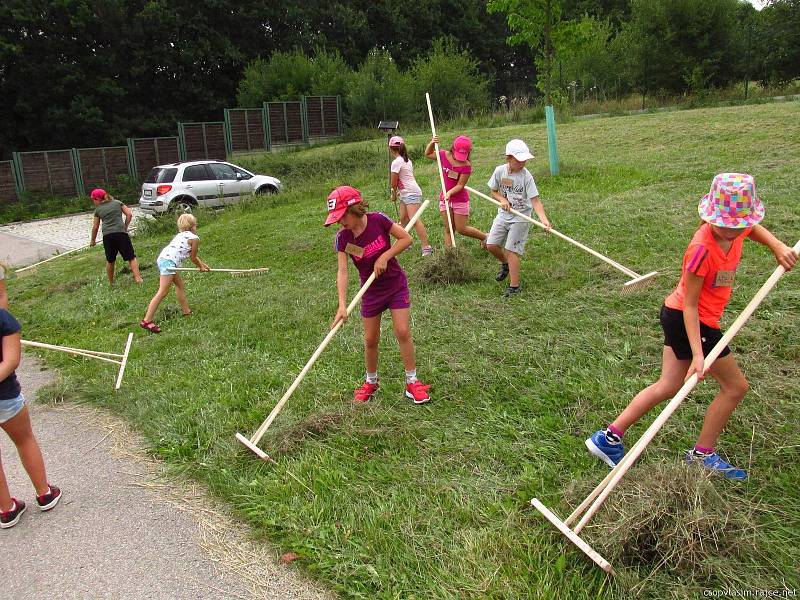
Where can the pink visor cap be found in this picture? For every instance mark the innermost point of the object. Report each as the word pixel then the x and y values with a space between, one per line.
pixel 462 146
pixel 339 201
pixel 98 194
pixel 396 141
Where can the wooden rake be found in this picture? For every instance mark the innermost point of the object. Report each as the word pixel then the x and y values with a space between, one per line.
pixel 636 283
pixel 117 359
pixel 441 173
pixel 253 441
pixel 595 499
pixel 231 272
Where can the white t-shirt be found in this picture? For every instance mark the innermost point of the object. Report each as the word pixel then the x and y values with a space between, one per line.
pixel 406 184
pixel 179 248
pixel 519 189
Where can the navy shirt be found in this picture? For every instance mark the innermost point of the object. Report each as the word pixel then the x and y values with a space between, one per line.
pixel 9 387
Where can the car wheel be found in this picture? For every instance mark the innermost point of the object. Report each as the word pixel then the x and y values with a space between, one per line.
pixel 266 189
pixel 183 206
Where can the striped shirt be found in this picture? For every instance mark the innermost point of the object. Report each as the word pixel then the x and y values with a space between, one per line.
pixel 706 259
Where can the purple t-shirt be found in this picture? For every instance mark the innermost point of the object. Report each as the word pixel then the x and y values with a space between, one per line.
pixel 452 174
pixel 374 241
pixel 9 387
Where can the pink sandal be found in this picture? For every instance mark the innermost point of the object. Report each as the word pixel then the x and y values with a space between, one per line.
pixel 150 326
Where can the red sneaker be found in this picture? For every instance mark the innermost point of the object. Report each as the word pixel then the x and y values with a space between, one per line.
pixel 364 393
pixel 418 392
pixel 11 518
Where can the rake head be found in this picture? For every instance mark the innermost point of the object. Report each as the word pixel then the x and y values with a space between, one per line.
pixel 250 272
pixel 638 283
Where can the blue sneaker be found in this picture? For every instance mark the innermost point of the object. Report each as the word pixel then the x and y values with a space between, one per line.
pixel 604 449
pixel 717 464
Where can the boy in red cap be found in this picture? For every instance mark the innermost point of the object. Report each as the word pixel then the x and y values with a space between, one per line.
pixel 115 232
pixel 366 237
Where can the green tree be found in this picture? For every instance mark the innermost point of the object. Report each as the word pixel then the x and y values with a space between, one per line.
pixel 378 90
pixel 780 39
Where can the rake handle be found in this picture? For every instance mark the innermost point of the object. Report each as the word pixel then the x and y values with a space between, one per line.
pixel 441 172
pixel 222 270
pixel 334 330
pixel 67 350
pixel 619 471
pixel 566 238
pixel 41 262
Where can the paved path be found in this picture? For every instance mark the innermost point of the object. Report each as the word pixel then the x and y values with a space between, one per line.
pixel 123 529
pixel 43 238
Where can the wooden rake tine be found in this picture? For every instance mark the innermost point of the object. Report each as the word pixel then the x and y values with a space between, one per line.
pixel 595 499
pixel 441 173
pixel 252 442
pixel 636 283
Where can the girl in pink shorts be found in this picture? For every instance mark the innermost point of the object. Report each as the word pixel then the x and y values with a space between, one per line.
pixel 366 237
pixel 456 169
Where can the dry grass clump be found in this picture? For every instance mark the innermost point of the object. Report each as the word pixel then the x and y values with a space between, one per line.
pixel 679 518
pixel 312 426
pixel 452 266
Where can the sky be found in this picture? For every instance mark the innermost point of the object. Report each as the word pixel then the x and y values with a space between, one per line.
pixel 759 4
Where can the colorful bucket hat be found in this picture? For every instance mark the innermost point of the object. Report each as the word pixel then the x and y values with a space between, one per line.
pixel 339 201
pixel 732 202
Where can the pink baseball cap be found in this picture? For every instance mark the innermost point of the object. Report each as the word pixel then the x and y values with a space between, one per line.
pixel 339 201
pixel 98 194
pixel 462 146
pixel 396 141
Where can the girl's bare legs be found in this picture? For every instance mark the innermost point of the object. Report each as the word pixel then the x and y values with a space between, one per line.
pixel 448 242
pixel 180 292
pixel 20 431
pixel 460 225
pixel 673 372
pixel 732 388
pixel 402 331
pixel 372 335
pixel 410 211
pixel 5 493
pixel 163 289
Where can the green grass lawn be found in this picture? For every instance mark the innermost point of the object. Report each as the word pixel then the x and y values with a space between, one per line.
pixel 399 501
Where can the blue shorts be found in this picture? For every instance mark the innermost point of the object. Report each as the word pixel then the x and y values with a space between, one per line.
pixel 166 267
pixel 10 408
pixel 411 199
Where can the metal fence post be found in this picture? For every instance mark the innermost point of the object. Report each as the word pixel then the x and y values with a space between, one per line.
pixel 181 142
pixel 19 178
pixel 304 119
pixel 228 137
pixel 132 166
pixel 77 175
pixel 267 130
pixel 339 114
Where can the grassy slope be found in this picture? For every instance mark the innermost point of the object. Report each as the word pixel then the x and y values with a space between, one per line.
pixel 422 502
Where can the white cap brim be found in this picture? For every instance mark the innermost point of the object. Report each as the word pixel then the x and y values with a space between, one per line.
pixel 523 156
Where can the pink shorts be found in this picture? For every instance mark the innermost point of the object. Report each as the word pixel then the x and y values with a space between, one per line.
pixel 458 208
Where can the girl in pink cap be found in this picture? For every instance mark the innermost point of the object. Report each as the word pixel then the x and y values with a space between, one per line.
pixel 690 317
pixel 366 237
pixel 405 186
pixel 456 169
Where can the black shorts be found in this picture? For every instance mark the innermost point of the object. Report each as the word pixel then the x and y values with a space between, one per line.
pixel 119 241
pixel 675 335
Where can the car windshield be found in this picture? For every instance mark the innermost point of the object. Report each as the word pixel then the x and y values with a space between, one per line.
pixel 161 175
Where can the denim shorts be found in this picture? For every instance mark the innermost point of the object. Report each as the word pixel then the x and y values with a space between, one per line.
pixel 166 267
pixel 10 408
pixel 411 199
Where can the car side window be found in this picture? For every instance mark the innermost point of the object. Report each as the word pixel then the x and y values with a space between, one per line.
pixel 196 173
pixel 244 174
pixel 222 171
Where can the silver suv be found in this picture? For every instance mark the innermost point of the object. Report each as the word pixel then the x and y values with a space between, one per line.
pixel 185 185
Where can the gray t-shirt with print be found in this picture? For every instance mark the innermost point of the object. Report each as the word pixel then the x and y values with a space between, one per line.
pixel 518 188
pixel 110 214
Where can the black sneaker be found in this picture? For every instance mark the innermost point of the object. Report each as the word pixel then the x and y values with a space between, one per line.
pixel 510 291
pixel 50 499
pixel 11 518
pixel 502 273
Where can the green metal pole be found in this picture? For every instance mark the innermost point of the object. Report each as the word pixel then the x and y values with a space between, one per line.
pixel 552 146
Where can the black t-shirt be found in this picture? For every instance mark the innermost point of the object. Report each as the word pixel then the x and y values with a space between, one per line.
pixel 9 387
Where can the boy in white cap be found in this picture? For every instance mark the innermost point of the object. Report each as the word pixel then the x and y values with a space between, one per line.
pixel 513 186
